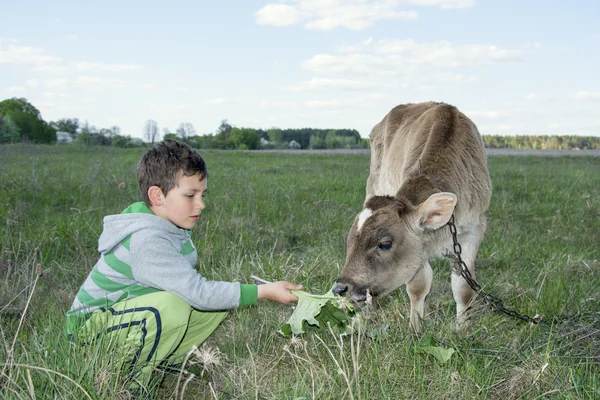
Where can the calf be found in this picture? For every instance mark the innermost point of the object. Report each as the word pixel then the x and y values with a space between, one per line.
pixel 428 161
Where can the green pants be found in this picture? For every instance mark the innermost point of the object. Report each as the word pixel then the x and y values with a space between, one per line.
pixel 153 329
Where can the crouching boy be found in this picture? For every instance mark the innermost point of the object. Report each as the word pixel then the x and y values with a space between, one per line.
pixel 144 293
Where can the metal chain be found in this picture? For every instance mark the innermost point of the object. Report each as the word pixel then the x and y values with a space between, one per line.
pixel 495 303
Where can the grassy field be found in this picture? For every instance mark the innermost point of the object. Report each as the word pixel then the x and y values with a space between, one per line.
pixel 284 216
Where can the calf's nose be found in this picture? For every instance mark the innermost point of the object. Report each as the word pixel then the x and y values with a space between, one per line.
pixel 340 288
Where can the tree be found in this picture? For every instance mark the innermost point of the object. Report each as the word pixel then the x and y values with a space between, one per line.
pixel 151 131
pixel 224 130
pixel 122 141
pixel 172 136
pixel 275 135
pixel 28 120
pixel 331 140
pixel 244 138
pixel 115 131
pixel 9 131
pixel 69 125
pixel 186 130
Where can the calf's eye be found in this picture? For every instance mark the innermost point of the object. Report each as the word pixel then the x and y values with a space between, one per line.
pixel 384 246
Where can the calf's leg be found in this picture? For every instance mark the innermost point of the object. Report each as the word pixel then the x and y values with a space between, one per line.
pixel 417 289
pixel 462 292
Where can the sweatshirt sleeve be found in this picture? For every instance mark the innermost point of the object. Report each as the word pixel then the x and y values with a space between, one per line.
pixel 249 294
pixel 156 262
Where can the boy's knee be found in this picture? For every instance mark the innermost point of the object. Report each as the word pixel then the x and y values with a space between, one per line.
pixel 173 310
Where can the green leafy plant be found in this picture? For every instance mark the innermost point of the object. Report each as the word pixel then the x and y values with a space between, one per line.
pixel 428 345
pixel 319 313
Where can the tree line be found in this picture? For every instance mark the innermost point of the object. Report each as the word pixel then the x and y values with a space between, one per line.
pixel 20 121
pixel 555 142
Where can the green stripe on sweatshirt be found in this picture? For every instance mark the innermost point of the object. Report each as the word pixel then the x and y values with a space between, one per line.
pixel 83 296
pixel 118 265
pixel 186 248
pixel 104 283
pixel 137 290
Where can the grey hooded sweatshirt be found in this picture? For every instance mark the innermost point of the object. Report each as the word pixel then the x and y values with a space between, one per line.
pixel 141 253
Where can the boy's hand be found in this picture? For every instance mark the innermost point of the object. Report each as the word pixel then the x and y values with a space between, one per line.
pixel 278 291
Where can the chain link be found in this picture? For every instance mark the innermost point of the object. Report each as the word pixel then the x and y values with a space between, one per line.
pixel 495 303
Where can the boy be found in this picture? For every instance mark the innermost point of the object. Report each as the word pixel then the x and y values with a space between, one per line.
pixel 144 292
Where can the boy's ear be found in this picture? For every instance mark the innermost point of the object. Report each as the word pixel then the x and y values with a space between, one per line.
pixel 155 195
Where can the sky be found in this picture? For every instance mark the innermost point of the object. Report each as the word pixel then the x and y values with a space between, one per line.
pixel 515 67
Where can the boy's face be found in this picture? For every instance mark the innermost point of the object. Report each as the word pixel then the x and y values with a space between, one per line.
pixel 182 204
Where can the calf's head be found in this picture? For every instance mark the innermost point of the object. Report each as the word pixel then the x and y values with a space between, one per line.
pixel 387 243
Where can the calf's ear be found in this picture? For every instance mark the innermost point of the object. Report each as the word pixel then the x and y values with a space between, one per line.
pixel 436 210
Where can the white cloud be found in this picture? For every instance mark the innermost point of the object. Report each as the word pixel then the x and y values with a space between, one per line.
pixel 55 95
pixel 394 57
pixel 279 15
pixel 327 83
pixel 458 78
pixel 88 66
pixel 58 82
pixel 344 104
pixel 97 83
pixel 445 53
pixel 491 114
pixel 331 14
pixel 15 89
pixel 225 100
pixel 355 48
pixel 51 68
pixel 445 4
pixel 26 56
pixel 354 63
pixel 278 104
pixel 586 95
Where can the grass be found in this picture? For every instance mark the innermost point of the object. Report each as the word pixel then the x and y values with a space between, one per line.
pixel 284 216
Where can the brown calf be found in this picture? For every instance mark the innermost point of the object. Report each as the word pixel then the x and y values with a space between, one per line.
pixel 428 161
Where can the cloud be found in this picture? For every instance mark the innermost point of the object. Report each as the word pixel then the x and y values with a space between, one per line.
pixel 445 4
pixel 92 82
pixel 354 63
pixel 226 100
pixel 15 89
pixel 327 83
pixel 458 78
pixel 26 56
pixel 55 95
pixel 586 95
pixel 88 66
pixel 58 82
pixel 278 104
pixel 279 15
pixel 489 114
pixel 394 57
pixel 446 54
pixel 355 48
pixel 344 104
pixel 331 14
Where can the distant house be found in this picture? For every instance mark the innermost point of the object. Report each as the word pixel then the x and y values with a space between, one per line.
pixel 63 138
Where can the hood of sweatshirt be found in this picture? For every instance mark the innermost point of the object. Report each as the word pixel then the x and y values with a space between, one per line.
pixel 134 218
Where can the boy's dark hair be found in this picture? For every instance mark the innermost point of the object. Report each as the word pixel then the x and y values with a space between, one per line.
pixel 162 165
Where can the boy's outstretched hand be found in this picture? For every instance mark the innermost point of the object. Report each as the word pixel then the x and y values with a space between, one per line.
pixel 278 291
